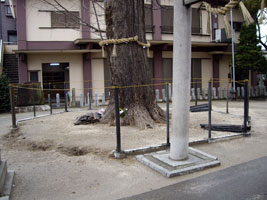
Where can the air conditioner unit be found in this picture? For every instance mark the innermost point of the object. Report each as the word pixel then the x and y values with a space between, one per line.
pixel 220 36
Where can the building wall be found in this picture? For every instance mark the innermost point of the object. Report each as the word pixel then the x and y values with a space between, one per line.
pixel 38 20
pixel 76 67
pixel 7 22
pixel 98 75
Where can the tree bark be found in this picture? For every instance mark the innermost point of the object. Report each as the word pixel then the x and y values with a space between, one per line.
pixel 124 19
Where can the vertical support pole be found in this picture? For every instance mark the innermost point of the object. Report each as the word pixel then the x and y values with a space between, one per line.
pixel 12 105
pixel 246 107
pixel 34 107
pixel 227 98
pixel 89 100
pixel 233 50
pixel 66 102
pixel 118 128
pixel 50 104
pixel 181 81
pixel 50 99
pixel 167 114
pixel 195 94
pixel 209 96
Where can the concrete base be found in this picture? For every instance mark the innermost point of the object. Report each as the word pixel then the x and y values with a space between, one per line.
pixel 161 162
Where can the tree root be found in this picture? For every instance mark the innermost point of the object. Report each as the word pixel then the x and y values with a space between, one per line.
pixel 138 115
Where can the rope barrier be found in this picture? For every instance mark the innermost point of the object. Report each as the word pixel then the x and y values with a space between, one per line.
pixel 124 87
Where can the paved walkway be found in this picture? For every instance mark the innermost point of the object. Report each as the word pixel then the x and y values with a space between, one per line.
pixel 246 181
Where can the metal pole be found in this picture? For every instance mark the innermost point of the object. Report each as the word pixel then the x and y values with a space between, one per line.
pixel 167 114
pixel 245 107
pixel 118 128
pixel 50 99
pixel 209 95
pixel 34 108
pixel 195 94
pixel 66 102
pixel 90 101
pixel 12 105
pixel 233 49
pixel 66 98
pixel 227 99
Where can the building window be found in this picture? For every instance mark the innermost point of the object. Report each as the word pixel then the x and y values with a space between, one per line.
pixel 196 25
pixel 8 11
pixel 34 76
pixel 237 26
pixel 61 19
pixel 167 19
pixel 148 18
pixel 12 37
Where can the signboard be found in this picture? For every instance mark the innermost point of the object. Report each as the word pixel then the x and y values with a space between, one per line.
pixel 190 2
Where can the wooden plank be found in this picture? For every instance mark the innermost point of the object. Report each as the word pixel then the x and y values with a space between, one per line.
pixel 190 2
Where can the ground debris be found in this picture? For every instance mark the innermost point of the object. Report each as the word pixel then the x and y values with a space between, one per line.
pixel 89 118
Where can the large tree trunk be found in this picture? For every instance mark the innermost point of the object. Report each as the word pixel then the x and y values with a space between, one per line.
pixel 124 19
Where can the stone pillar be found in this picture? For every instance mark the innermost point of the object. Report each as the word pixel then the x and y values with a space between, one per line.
pixel 181 81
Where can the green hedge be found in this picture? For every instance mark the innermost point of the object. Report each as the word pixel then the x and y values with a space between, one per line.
pixel 4 94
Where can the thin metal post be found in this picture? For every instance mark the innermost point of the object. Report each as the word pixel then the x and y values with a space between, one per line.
pixel 12 105
pixel 167 114
pixel 227 98
pixel 89 100
pixel 34 108
pixel 209 96
pixel 66 102
pixel 246 107
pixel 118 128
pixel 233 49
pixel 50 99
pixel 195 94
pixel 50 104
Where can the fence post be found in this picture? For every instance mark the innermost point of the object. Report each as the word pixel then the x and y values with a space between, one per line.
pixel 117 111
pixel 12 105
pixel 66 101
pixel 209 97
pixel 57 100
pixel 50 104
pixel 195 94
pixel 246 99
pixel 50 99
pixel 34 108
pixel 167 114
pixel 73 97
pixel 89 100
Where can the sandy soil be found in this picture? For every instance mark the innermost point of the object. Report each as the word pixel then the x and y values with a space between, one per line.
pixel 54 159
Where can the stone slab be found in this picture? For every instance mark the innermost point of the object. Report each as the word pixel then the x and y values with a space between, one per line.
pixel 161 162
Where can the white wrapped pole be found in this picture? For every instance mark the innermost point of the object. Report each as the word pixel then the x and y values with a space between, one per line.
pixel 181 81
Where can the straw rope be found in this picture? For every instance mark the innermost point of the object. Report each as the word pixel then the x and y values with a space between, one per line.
pixel 121 41
pixel 224 10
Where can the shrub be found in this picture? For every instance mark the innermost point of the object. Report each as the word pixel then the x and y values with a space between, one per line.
pixel 4 94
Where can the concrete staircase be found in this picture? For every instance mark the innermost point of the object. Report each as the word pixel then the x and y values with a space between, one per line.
pixel 6 180
pixel 11 67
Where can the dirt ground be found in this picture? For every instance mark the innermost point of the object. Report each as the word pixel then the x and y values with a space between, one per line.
pixel 54 159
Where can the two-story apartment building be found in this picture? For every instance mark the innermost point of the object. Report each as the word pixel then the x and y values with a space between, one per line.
pixel 54 47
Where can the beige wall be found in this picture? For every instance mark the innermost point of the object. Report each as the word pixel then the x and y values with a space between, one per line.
pixel 76 67
pixel 9 49
pixel 98 76
pixel 36 19
pixel 225 61
pixel 101 19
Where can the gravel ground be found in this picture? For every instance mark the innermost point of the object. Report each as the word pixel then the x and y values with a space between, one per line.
pixel 53 159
